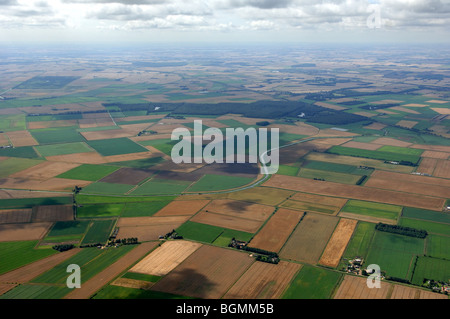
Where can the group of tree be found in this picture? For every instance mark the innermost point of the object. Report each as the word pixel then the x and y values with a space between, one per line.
pixel 125 241
pixel 63 247
pixel 401 230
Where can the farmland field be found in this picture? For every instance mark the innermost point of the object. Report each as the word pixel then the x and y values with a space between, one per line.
pixel 100 210
pixel 165 258
pixel 27 291
pixel 90 260
pixel 199 232
pixel 13 165
pixel 395 253
pixel 89 172
pixel 115 146
pixel 372 209
pixel 158 186
pixel 360 241
pixel 63 149
pixel 312 283
pixel 107 188
pixel 354 192
pixel 329 176
pixel 17 254
pixel 143 208
pixel 380 155
pixel 431 268
pixel 438 246
pixel 218 182
pixel 277 230
pixel 204 274
pixel 423 214
pixel 312 233
pixel 354 287
pixel 263 281
pixel 98 232
pixel 431 227
pixel 338 242
pixel 57 135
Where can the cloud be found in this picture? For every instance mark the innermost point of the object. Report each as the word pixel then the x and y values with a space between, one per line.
pixel 125 2
pixel 226 15
pixel 261 4
pixel 8 2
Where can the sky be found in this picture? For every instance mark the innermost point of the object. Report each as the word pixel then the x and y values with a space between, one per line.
pixel 237 21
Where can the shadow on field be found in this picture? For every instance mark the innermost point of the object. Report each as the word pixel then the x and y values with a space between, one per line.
pixel 186 282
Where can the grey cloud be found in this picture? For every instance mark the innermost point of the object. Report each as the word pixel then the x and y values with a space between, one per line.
pixel 8 2
pixel 125 2
pixel 261 4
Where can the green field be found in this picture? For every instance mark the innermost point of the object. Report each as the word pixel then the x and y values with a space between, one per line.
pixel 225 238
pixel 329 176
pixel 23 152
pixel 372 209
pixel 100 210
pixel 13 165
pixel 46 82
pixel 143 208
pixel 430 227
pixel 438 246
pixel 163 145
pixel 57 135
pixel 31 202
pixel 429 215
pixel 431 268
pixel 312 283
pixel 90 260
pixel 158 186
pixel 199 232
pixel 287 170
pixel 99 232
pixel 400 150
pixel 360 242
pixel 13 123
pixel 49 242
pixel 107 188
pixel 212 182
pixel 63 149
pixel 379 155
pixel 89 172
pixel 27 291
pixel 140 164
pixel 395 253
pixel 66 228
pixel 116 146
pixel 20 253
pixel 336 167
pixel 98 199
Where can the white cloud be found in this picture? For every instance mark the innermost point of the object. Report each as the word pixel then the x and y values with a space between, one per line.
pixel 224 15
